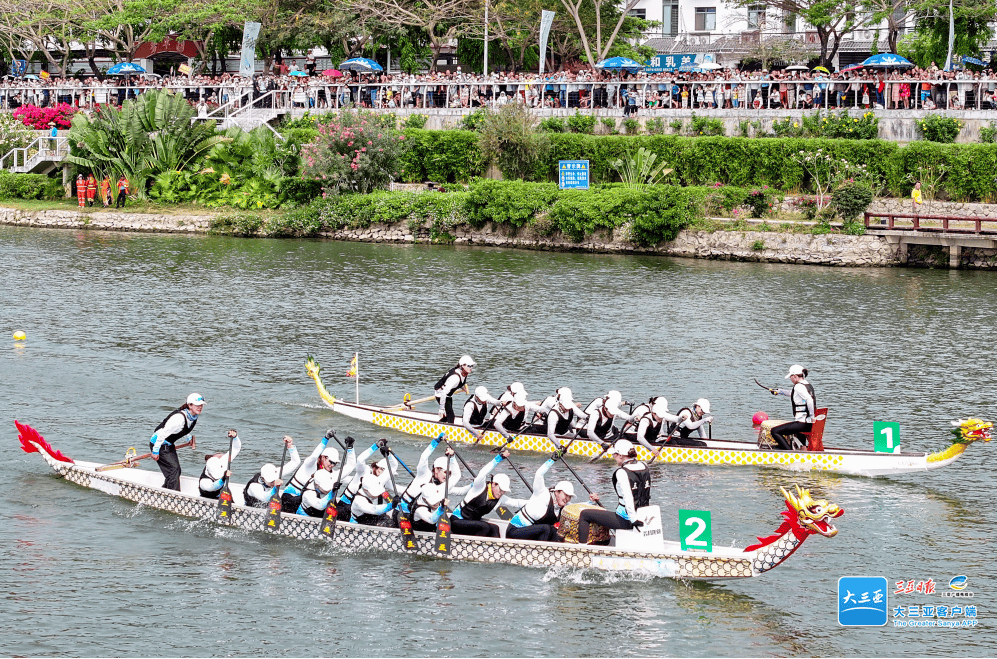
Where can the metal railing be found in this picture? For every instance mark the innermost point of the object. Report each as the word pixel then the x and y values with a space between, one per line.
pixel 41 150
pixel 949 223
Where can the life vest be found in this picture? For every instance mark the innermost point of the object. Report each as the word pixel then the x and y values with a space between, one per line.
pixel 423 502
pixel 477 417
pixel 311 512
pixel 802 407
pixel 456 370
pixel 477 507
pixel 685 432
pixel 563 419
pixel 515 420
pixel 549 517
pixel 653 429
pixel 252 501
pixel 207 494
pixel 186 430
pixel 640 486
pixel 602 425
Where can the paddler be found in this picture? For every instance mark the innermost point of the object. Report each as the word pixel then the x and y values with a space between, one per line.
pixel 429 504
pixel 695 418
pixel 804 402
pixel 563 415
pixel 602 414
pixel 216 469
pixel 262 486
pixel 374 501
pixel 454 379
pixel 632 482
pixel 476 411
pixel 178 423
pixel 512 418
pixel 650 425
pixel 422 475
pixel 315 499
pixel 485 494
pixel 320 458
pixel 353 478
pixel 536 519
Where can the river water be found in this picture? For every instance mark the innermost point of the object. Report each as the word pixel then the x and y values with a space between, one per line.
pixel 121 327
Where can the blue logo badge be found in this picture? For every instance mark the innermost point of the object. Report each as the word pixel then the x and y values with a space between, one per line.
pixel 958 583
pixel 862 601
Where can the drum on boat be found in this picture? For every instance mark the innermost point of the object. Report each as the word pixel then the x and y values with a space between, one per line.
pixel 567 530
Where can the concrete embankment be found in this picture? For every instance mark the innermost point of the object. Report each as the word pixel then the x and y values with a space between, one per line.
pixel 762 246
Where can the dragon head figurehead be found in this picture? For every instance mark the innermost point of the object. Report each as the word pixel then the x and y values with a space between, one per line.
pixel 314 371
pixel 812 515
pixel 971 430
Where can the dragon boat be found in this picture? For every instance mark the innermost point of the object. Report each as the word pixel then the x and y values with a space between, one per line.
pixel 854 462
pixel 643 551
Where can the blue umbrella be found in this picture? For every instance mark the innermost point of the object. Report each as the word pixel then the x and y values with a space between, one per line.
pixel 619 64
pixel 972 60
pixel 122 68
pixel 299 73
pixel 361 64
pixel 888 60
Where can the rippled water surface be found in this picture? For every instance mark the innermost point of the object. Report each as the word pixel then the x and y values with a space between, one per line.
pixel 122 327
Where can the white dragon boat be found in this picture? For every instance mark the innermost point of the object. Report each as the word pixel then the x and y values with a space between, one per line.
pixel 649 552
pixel 854 462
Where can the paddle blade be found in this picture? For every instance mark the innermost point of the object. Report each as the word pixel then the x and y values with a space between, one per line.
pixel 408 536
pixel 328 528
pixel 443 535
pixel 504 513
pixel 224 511
pixel 271 522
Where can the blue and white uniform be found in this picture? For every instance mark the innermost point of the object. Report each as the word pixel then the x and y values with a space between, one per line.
pixel 213 476
pixel 290 499
pixel 257 493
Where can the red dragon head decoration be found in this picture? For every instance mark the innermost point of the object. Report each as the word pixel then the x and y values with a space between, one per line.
pixel 31 440
pixel 805 516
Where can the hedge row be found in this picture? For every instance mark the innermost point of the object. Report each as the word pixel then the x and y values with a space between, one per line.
pixel 654 214
pixel 453 155
pixel 29 186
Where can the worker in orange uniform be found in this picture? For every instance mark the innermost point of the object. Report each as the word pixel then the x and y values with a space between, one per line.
pixel 91 189
pixel 105 191
pixel 81 190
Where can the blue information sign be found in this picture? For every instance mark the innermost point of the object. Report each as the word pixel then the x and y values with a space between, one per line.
pixel 573 174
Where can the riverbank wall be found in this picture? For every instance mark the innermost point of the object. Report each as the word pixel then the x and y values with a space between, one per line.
pixel 761 246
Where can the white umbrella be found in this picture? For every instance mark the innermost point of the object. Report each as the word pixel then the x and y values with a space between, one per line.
pixel 797 67
pixel 710 66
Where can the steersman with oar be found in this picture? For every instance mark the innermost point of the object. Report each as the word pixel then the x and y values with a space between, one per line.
pixel 452 380
pixel 178 423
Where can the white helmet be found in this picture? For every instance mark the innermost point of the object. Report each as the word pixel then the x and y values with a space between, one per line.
pixel 621 447
pixel 660 407
pixel 381 464
pixel 564 397
pixel 214 468
pixel 519 399
pixel 614 397
pixel 372 485
pixel 795 369
pixel 517 388
pixel 566 487
pixel 269 473
pixel 480 393
pixel 704 404
pixel 195 399
pixel 332 453
pixel 502 482
pixel 466 361
pixel 324 480
pixel 441 463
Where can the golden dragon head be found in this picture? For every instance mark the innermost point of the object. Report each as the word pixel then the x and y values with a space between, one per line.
pixel 313 368
pixel 814 515
pixel 971 430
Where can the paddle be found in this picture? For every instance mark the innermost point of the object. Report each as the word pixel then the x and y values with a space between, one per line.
pixel 514 467
pixel 772 391
pixel 404 523
pixel 408 404
pixel 443 524
pixel 271 521
pixel 560 451
pixel 491 419
pixel 328 528
pixel 224 510
pixel 130 460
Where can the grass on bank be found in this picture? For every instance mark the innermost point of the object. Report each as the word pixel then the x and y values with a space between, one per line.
pixel 136 206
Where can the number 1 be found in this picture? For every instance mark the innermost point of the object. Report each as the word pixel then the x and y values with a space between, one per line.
pixel 888 431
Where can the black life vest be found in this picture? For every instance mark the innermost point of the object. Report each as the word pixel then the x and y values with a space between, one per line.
pixel 252 501
pixel 423 502
pixel 479 506
pixel 177 435
pixel 803 406
pixel 515 420
pixel 208 494
pixel 456 370
pixel 549 517
pixel 640 486
pixel 563 419
pixel 685 432
pixel 480 410
pixel 602 425
pixel 312 512
pixel 653 429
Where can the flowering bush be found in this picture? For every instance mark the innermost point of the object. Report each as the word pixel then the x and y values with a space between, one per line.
pixel 354 152
pixel 761 201
pixel 937 128
pixel 826 172
pixel 38 118
pixel 13 134
pixel 839 126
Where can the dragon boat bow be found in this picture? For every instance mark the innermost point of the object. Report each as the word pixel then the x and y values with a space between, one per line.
pixel 633 551
pixel 854 462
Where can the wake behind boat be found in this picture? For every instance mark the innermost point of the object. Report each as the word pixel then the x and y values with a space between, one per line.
pixel 642 551
pixel 855 462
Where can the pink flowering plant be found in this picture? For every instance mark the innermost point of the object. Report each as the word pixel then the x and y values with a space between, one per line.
pixel 38 118
pixel 355 151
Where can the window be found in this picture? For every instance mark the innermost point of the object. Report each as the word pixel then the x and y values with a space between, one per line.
pixel 706 19
pixel 789 23
pixel 638 13
pixel 670 17
pixel 756 17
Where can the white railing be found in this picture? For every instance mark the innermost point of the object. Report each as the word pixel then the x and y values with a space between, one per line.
pixel 41 150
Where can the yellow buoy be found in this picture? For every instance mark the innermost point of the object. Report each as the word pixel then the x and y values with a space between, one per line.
pixel 20 336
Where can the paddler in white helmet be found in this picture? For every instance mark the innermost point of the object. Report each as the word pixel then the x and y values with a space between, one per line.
pixel 320 458
pixel 178 423
pixel 536 519
pixel 486 493
pixel 804 402
pixel 432 497
pixel 512 417
pixel 423 473
pixel 602 414
pixel 452 380
pixel 695 418
pixel 374 498
pixel 651 424
pixel 216 469
pixel 632 482
pixel 318 491
pixel 269 478
pixel 354 478
pixel 476 412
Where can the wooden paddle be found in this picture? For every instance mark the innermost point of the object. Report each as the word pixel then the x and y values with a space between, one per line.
pixel 409 404
pixel 328 528
pixel 271 521
pixel 404 523
pixel 224 511
pixel 772 391
pixel 130 460
pixel 443 524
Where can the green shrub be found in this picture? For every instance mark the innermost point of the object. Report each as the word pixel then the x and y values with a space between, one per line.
pixel 415 121
pixel 632 126
pixel 675 125
pixel 939 128
pixel 29 186
pixel 761 201
pixel 508 202
pixel 988 134
pixel 442 156
pixel 553 125
pixel 850 199
pixel 655 126
pixel 582 123
pixel 474 121
pixel 758 245
pixel 609 124
pixel 510 139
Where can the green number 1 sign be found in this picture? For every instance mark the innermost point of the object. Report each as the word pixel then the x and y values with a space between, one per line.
pixel 887 436
pixel 696 530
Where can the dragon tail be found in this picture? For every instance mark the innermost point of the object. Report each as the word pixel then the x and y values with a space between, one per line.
pixel 31 441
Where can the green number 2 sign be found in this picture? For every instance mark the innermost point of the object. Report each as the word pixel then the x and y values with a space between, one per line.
pixel 887 436
pixel 696 530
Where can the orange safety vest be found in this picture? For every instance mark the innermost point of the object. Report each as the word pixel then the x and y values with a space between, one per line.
pixel 81 190
pixel 91 187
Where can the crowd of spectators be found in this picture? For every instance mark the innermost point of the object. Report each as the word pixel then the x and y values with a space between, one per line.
pixel 290 88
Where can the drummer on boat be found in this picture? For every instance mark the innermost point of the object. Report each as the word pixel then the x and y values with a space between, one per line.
pixel 536 519
pixel 475 412
pixel 178 423
pixel 696 418
pixel 804 402
pixel 265 483
pixel 632 482
pixel 216 469
pixel 452 380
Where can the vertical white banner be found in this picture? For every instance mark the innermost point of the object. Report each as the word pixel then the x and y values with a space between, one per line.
pixel 546 18
pixel 247 64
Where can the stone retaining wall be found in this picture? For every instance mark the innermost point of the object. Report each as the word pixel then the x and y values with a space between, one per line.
pixel 767 246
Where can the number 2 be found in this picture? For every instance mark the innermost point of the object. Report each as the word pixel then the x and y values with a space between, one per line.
pixel 693 538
